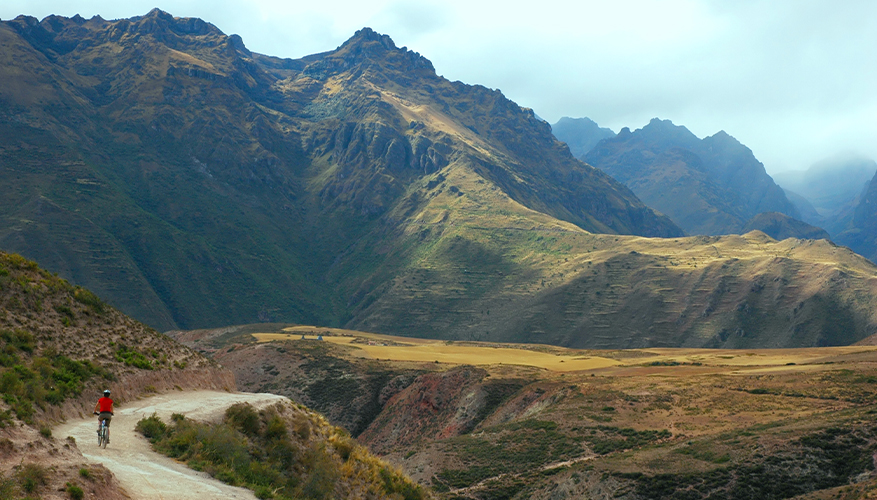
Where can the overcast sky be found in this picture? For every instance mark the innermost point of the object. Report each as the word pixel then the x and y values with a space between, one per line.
pixel 795 80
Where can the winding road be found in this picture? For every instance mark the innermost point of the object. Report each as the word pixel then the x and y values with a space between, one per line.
pixel 145 474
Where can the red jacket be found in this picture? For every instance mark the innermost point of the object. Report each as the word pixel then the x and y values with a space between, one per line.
pixel 105 404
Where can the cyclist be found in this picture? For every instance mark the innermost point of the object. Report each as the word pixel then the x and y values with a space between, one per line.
pixel 104 410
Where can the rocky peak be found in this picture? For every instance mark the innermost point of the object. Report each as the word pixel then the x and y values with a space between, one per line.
pixel 665 134
pixel 722 142
pixel 366 35
pixel 158 20
pixel 238 43
pixel 367 48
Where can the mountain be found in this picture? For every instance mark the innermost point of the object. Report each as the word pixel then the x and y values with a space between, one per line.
pixel 707 186
pixel 580 134
pixel 780 226
pixel 861 232
pixel 194 183
pixel 833 187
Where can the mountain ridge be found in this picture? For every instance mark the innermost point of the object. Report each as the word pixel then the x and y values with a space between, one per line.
pixel 298 152
pixel 708 186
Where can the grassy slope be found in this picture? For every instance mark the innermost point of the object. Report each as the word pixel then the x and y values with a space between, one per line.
pixel 478 266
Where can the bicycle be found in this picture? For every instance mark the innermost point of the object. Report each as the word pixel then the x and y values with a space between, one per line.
pixel 103 435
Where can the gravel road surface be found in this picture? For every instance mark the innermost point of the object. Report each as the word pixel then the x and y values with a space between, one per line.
pixel 145 474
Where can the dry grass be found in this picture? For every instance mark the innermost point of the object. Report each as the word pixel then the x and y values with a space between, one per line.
pixel 635 362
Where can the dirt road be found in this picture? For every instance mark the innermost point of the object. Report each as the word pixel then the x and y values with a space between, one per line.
pixel 144 474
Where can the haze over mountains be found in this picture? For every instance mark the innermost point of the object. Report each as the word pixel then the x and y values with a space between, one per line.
pixel 709 186
pixel 195 183
pixel 664 165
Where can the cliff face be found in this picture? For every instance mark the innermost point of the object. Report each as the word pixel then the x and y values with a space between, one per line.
pixel 861 232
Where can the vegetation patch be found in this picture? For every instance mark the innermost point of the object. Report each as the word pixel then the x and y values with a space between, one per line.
pixel 133 357
pixel 276 453
pixel 45 379
pixel 517 448
pixel 605 439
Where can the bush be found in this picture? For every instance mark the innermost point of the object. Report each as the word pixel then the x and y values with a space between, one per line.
pixel 133 358
pixel 244 418
pixel 45 431
pixel 152 428
pixel 89 299
pixel 255 450
pixel 75 492
pixel 85 473
pixel 32 476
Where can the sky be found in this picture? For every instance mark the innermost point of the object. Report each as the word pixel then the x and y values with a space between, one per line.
pixel 794 80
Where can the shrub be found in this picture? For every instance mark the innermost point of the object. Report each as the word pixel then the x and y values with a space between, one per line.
pixel 276 428
pixel 133 358
pixel 244 418
pixel 45 431
pixel 75 492
pixel 31 476
pixel 89 299
pixel 152 428
pixel 255 450
pixel 7 487
pixel 85 473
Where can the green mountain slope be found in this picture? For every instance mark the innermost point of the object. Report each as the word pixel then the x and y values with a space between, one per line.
pixel 195 183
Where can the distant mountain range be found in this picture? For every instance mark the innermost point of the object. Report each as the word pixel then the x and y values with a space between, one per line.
pixel 194 183
pixel 828 192
pixel 707 186
pixel 580 134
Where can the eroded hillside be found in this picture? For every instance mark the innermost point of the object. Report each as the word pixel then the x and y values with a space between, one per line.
pixel 557 423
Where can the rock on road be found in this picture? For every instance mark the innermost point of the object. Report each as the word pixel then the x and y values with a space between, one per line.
pixel 145 474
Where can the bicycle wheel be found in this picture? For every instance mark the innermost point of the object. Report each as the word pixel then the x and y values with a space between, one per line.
pixel 104 436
